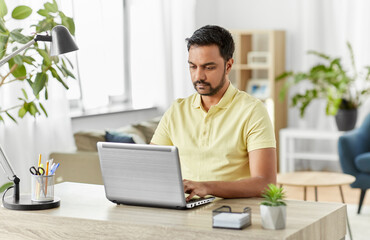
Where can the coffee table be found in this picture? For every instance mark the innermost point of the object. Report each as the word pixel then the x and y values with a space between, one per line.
pixel 316 179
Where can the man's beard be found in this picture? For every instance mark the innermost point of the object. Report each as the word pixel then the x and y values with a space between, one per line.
pixel 212 91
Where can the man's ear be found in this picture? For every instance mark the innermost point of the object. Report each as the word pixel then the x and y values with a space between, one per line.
pixel 229 64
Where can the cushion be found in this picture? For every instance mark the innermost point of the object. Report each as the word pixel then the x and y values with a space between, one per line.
pixel 147 128
pixel 86 140
pixel 111 136
pixel 362 162
pixel 135 133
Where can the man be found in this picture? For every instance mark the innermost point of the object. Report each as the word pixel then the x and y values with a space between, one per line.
pixel 225 137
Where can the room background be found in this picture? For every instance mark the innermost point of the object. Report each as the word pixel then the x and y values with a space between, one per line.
pixel 161 70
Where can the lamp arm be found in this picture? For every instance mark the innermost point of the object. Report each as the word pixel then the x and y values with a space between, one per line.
pixel 7 58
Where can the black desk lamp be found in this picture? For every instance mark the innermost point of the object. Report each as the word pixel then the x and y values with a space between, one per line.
pixel 61 42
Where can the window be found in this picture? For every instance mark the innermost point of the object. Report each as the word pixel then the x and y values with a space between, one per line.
pixel 100 59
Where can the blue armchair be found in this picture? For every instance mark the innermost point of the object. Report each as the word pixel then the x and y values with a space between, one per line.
pixel 354 156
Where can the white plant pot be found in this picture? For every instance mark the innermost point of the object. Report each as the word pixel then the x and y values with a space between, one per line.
pixel 273 217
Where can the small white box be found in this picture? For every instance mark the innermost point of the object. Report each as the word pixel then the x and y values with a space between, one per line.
pixel 258 58
pixel 223 217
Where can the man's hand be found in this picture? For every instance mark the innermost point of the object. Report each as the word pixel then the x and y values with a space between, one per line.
pixel 194 188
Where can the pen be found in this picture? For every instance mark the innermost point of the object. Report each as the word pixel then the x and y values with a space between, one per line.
pixel 54 169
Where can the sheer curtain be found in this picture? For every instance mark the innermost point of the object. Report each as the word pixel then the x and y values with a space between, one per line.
pixel 326 26
pixel 158 51
pixel 23 142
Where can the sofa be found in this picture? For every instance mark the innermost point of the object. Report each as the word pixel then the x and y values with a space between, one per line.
pixel 82 165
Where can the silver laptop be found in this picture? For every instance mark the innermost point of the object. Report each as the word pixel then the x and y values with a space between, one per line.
pixel 147 175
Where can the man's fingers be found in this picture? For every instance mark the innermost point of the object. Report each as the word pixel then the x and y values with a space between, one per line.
pixel 191 195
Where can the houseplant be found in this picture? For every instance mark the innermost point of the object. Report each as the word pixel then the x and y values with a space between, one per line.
pixel 273 208
pixel 34 66
pixel 343 90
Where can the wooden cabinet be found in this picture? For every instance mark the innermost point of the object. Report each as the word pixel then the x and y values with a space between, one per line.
pixel 259 58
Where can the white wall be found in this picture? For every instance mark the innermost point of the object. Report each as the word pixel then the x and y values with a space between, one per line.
pixel 251 14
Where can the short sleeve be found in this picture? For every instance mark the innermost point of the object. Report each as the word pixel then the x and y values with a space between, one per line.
pixel 259 130
pixel 162 135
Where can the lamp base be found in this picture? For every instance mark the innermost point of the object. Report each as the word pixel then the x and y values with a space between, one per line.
pixel 25 203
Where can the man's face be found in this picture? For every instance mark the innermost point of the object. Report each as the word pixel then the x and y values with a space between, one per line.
pixel 207 69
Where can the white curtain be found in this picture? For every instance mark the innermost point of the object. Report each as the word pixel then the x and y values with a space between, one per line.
pixel 23 142
pixel 159 69
pixel 326 26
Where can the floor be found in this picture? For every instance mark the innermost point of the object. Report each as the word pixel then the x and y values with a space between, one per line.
pixel 360 223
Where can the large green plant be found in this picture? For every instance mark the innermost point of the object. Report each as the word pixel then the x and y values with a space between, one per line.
pixel 331 81
pixel 28 66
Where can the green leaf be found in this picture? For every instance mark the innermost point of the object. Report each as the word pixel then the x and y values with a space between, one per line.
pixel 45 25
pixel 1 118
pixel 33 110
pixel 3 44
pixel 43 12
pixel 18 60
pixel 11 117
pixel 6 185
pixel 68 72
pixel 39 83
pixel 29 60
pixel 321 55
pixel 51 7
pixel 55 74
pixel 19 72
pixel 3 9
pixel 21 12
pixel 43 109
pixel 46 93
pixel 45 55
pixel 3 29
pixel 17 36
pixel 284 75
pixel 22 111
pixel 68 23
pixel 24 94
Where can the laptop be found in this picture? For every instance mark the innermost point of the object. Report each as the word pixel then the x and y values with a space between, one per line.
pixel 144 175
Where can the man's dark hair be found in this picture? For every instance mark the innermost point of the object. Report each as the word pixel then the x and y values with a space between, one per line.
pixel 213 35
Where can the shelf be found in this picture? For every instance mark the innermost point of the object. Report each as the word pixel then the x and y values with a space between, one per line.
pixel 260 54
pixel 250 67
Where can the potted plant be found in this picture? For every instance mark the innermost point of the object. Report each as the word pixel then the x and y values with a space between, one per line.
pixel 343 90
pixel 34 67
pixel 273 208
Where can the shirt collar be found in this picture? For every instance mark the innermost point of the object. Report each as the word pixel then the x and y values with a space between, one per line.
pixel 223 103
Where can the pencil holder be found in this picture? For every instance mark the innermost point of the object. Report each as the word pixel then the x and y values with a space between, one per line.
pixel 42 188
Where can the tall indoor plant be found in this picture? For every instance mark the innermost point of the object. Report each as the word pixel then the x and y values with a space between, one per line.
pixel 337 85
pixel 34 66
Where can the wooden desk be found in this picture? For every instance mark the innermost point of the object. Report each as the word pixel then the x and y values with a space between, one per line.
pixel 85 213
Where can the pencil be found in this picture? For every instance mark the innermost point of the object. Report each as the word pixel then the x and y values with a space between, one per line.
pixel 39 160
pixel 46 184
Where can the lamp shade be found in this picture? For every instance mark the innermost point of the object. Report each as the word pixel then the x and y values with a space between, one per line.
pixel 62 41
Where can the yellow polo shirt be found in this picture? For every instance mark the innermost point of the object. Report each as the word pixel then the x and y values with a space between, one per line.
pixel 214 145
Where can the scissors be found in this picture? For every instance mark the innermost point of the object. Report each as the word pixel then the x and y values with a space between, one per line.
pixel 38 171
